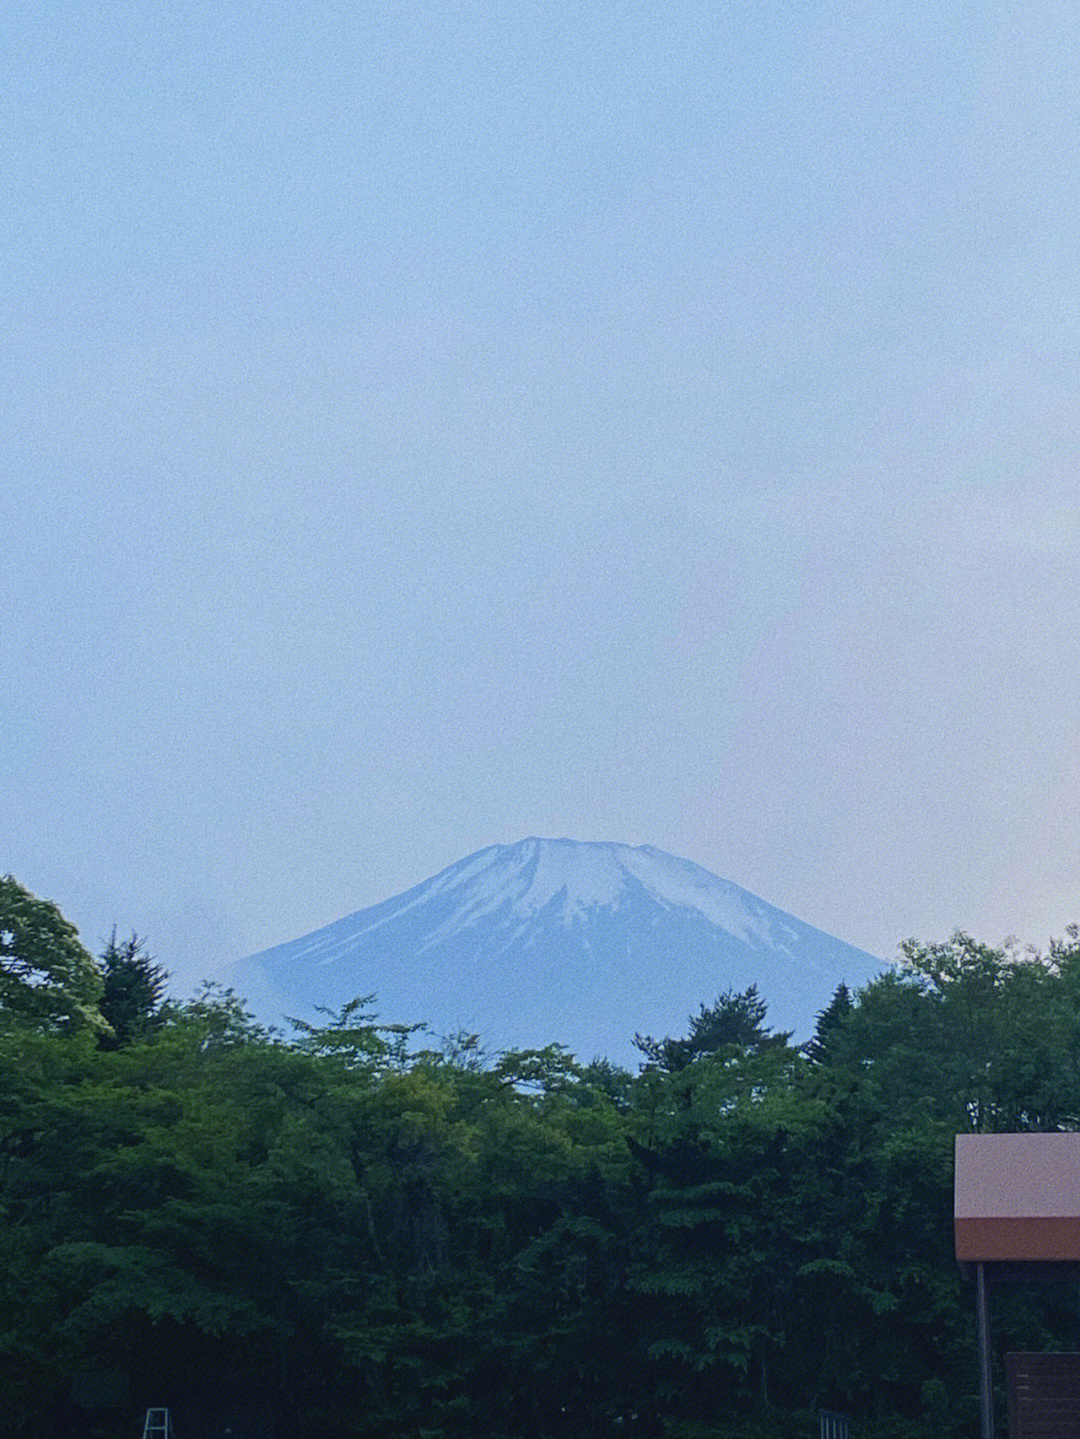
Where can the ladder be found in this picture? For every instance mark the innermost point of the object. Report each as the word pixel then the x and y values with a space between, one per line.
pixel 158 1425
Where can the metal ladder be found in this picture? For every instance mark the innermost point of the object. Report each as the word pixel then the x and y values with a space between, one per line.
pixel 158 1425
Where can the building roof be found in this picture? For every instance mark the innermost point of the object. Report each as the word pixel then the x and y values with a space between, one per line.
pixel 1017 1197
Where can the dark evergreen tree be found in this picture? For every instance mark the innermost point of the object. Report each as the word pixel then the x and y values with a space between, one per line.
pixel 830 1022
pixel 133 988
pixel 734 1021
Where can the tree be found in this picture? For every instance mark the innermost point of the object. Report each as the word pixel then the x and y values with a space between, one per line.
pixel 829 1023
pixel 733 1020
pixel 46 976
pixel 133 989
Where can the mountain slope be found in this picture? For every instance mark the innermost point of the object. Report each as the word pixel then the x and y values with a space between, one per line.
pixel 584 943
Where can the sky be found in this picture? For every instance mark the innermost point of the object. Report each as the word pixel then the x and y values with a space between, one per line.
pixel 424 425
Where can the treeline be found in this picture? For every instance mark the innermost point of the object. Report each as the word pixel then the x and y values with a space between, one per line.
pixel 357 1230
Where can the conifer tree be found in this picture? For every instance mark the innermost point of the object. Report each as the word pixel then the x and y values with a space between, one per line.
pixel 133 990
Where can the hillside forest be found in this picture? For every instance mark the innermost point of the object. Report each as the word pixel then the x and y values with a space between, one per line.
pixel 363 1229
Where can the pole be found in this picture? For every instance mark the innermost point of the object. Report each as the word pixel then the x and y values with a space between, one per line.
pixel 986 1379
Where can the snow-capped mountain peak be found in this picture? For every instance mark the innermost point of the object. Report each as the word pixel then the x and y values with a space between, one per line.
pixel 559 939
pixel 591 874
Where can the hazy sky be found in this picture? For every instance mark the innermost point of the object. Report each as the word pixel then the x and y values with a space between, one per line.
pixel 425 425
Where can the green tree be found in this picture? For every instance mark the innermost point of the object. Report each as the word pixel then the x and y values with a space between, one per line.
pixel 821 1047
pixel 735 1020
pixel 133 988
pixel 46 976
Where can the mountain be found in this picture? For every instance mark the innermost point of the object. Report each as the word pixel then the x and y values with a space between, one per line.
pixel 555 939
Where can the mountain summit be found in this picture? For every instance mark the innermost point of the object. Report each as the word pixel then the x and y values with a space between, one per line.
pixel 556 939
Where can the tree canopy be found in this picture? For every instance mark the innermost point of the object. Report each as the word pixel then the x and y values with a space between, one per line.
pixel 46 976
pixel 132 990
pixel 363 1231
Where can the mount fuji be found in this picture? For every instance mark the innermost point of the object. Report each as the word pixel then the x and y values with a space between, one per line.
pixel 558 940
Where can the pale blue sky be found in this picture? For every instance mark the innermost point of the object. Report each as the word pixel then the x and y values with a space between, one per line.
pixel 426 425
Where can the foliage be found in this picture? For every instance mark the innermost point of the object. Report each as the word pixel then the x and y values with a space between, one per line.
pixel 46 976
pixel 357 1234
pixel 133 988
pixel 733 1020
